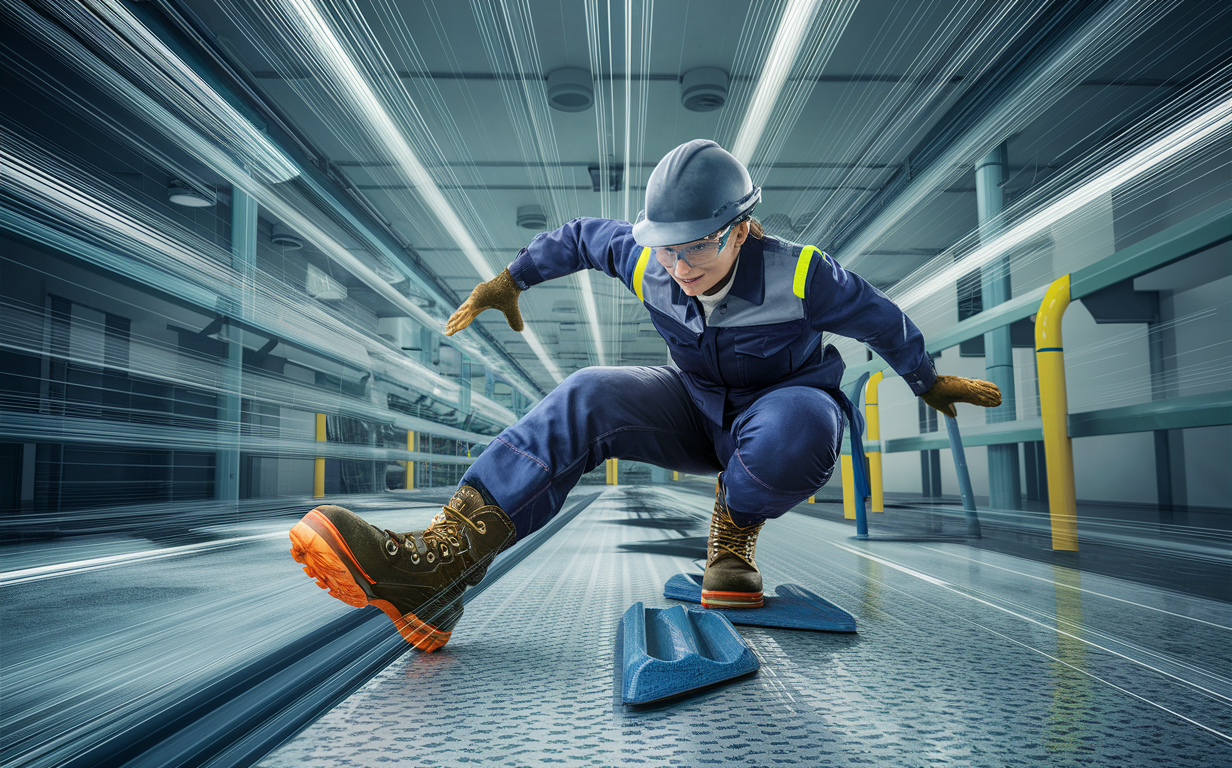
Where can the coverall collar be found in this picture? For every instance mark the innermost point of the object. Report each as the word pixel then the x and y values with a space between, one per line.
pixel 749 282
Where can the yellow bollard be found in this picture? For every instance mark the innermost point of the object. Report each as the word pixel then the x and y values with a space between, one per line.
pixel 318 464
pixel 675 475
pixel 849 487
pixel 874 436
pixel 410 465
pixel 612 476
pixel 811 499
pixel 1054 410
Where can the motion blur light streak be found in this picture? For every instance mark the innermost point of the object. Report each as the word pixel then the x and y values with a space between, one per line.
pixel 1211 126
pixel 26 575
pixel 383 129
pixel 179 386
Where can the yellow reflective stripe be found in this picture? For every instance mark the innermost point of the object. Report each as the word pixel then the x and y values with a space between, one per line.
pixel 639 272
pixel 797 285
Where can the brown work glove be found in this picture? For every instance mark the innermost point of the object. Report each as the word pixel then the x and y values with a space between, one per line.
pixel 947 390
pixel 501 292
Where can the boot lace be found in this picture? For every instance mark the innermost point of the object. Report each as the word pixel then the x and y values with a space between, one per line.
pixel 726 536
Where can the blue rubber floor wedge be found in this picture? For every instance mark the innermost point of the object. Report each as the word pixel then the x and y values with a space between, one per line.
pixel 792 607
pixel 670 651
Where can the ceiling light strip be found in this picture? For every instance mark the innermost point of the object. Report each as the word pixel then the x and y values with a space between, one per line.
pixel 385 132
pixel 190 140
pixel 510 47
pixel 793 25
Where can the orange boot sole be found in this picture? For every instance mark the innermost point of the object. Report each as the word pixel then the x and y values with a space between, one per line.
pixel 316 544
pixel 715 599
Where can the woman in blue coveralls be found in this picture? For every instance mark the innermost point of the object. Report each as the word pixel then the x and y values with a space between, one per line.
pixel 752 395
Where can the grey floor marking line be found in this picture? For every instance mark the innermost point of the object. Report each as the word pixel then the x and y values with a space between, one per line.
pixel 1110 684
pixel 1079 589
pixel 1053 658
pixel 38 573
pixel 949 588
pixel 1146 651
pixel 1090 630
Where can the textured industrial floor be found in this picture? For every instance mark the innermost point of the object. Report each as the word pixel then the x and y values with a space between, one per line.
pixel 964 657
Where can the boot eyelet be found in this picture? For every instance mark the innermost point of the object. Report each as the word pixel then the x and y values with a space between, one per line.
pixel 431 557
pixel 454 542
pixel 444 551
pixel 391 546
pixel 415 557
pixel 481 527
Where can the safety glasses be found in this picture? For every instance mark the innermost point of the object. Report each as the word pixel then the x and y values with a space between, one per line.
pixel 696 255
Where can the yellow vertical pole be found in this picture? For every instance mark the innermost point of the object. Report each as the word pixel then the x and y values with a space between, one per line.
pixel 410 465
pixel 811 499
pixel 318 464
pixel 612 477
pixel 849 487
pixel 873 417
pixel 675 475
pixel 1054 409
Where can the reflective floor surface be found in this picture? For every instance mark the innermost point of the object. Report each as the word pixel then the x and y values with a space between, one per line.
pixel 964 657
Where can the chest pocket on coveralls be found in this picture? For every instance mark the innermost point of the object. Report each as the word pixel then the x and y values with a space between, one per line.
pixel 764 352
pixel 682 344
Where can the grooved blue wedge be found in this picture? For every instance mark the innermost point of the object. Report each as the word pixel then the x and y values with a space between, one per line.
pixel 671 651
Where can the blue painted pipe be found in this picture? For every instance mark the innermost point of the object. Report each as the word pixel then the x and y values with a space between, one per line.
pixel 964 477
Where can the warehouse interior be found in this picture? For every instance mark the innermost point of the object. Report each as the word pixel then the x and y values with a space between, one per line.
pixel 231 234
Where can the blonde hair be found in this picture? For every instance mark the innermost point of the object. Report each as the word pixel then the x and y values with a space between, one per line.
pixel 755 228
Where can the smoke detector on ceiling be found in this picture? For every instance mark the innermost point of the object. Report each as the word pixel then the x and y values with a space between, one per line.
pixel 703 89
pixel 570 90
pixel 532 217
pixel 181 192
pixel 283 237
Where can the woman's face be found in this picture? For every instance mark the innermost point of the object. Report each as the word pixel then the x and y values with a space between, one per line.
pixel 712 277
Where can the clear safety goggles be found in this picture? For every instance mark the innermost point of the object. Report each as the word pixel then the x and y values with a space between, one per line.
pixel 696 255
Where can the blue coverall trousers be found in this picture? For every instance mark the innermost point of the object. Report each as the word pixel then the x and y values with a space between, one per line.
pixel 774 455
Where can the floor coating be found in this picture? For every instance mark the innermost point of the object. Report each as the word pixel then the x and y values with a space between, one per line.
pixel 964 657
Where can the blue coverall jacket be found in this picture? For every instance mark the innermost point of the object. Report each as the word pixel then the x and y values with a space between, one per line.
pixel 753 392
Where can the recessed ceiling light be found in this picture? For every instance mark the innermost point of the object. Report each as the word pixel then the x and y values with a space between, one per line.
pixel 532 217
pixel 283 237
pixel 182 193
pixel 570 90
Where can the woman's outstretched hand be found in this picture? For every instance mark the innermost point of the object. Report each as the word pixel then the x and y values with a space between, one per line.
pixel 948 390
pixel 501 292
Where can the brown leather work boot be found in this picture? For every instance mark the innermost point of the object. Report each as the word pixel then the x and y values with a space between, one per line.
pixel 416 578
pixel 732 579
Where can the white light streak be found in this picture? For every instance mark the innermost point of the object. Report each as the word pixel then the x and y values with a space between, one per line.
pixel 787 41
pixel 242 136
pixel 56 570
pixel 196 144
pixel 385 132
pixel 1203 128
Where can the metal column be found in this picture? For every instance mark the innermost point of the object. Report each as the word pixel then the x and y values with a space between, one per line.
pixel 1004 486
pixel 464 379
pixel 244 262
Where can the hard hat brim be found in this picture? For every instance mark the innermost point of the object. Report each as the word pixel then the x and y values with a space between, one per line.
pixel 654 234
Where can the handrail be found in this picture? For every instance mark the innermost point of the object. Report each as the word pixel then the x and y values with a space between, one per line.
pixel 1204 230
pixel 1197 233
pixel 1209 409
